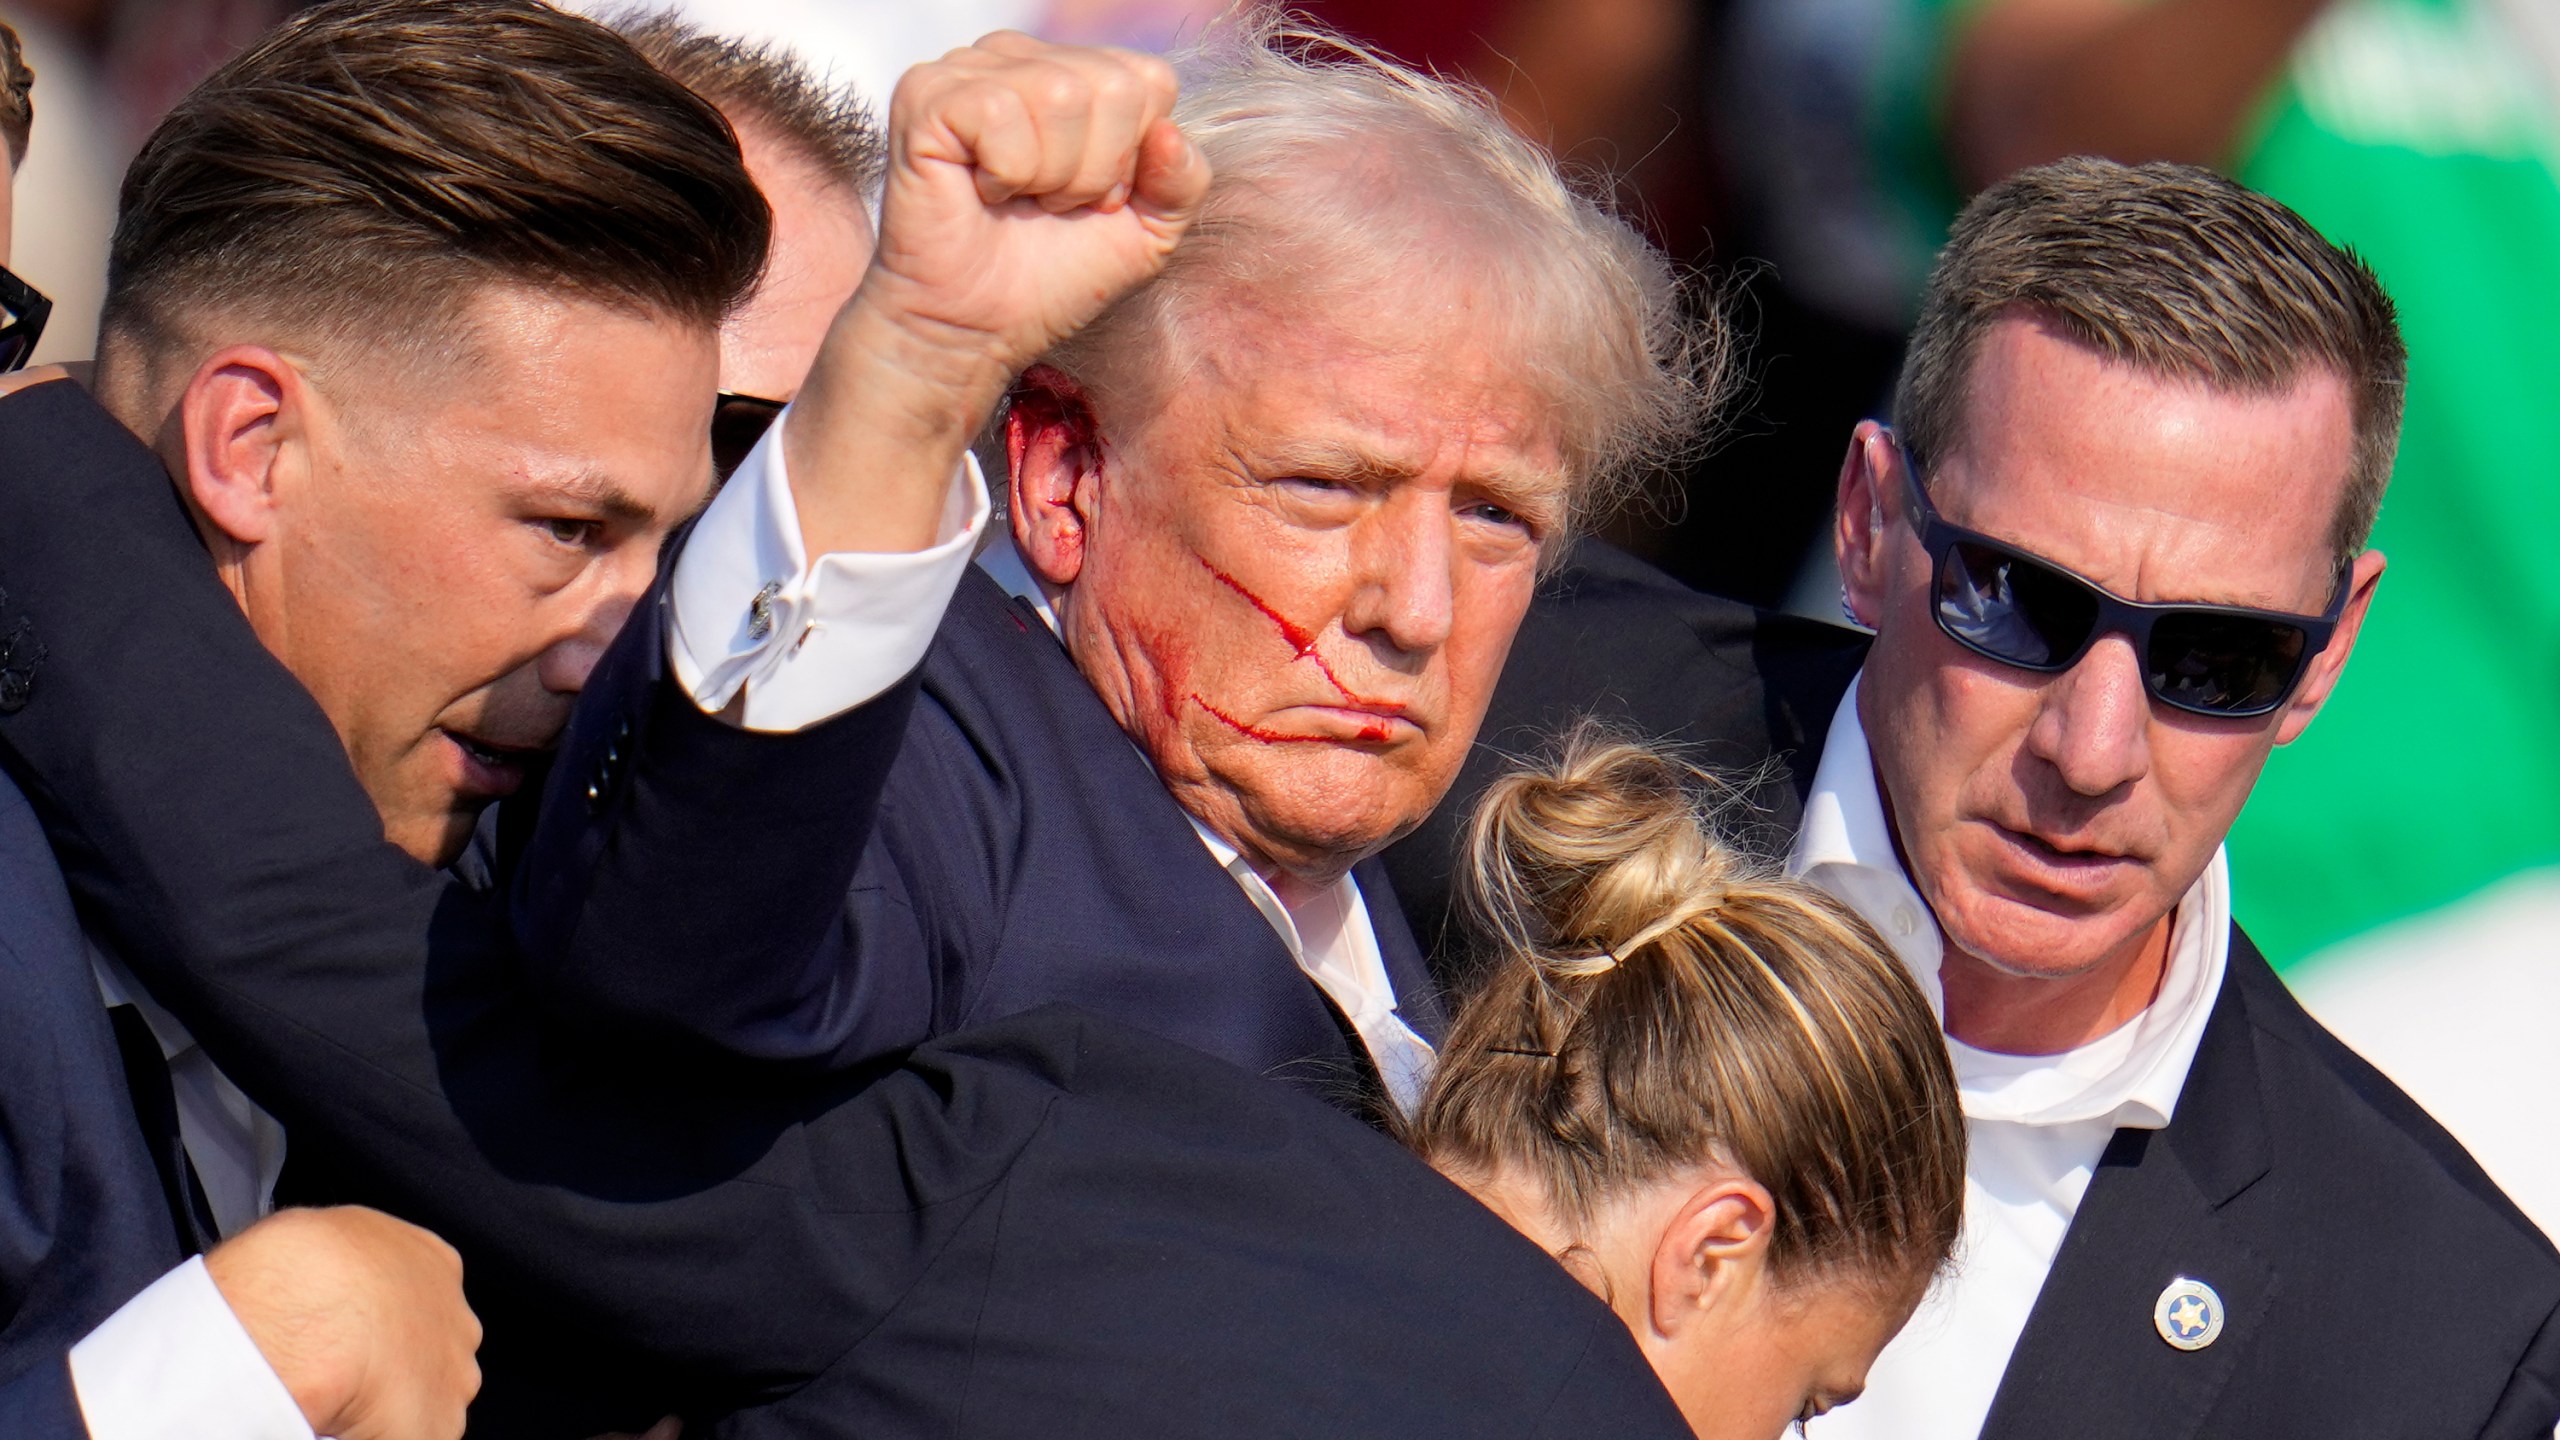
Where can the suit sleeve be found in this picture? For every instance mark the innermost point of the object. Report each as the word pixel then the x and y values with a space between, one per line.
pixel 40 1405
pixel 206 817
pixel 2530 1410
pixel 650 906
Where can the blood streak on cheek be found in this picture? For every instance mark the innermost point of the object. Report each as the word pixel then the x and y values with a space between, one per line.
pixel 1297 636
pixel 1301 640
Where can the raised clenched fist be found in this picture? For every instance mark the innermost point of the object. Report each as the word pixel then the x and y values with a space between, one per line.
pixel 1030 185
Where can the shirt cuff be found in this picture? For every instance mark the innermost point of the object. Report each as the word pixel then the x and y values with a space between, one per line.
pixel 175 1364
pixel 807 641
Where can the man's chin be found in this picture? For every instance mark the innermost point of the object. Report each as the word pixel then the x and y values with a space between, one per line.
pixel 2028 940
pixel 1326 832
pixel 436 838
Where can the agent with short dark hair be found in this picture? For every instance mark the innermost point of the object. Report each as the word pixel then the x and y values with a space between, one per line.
pixel 343 1320
pixel 2114 555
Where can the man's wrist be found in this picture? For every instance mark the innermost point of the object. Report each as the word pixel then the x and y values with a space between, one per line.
pixel 916 376
pixel 880 427
pixel 177 1364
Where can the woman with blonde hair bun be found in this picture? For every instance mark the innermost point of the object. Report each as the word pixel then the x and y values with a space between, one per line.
pixel 1711 1092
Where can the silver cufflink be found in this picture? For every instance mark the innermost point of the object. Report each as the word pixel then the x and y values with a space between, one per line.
pixel 760 611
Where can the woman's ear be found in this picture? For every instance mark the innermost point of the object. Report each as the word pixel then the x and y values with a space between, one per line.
pixel 1053 446
pixel 1714 1251
pixel 237 420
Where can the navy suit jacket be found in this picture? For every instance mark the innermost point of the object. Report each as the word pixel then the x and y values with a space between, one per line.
pixel 1063 1224
pixel 1018 851
pixel 1111 1235
pixel 84 1222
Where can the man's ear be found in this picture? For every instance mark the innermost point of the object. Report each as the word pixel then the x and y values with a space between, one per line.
pixel 239 424
pixel 1861 539
pixel 2322 676
pixel 1715 1248
pixel 1054 447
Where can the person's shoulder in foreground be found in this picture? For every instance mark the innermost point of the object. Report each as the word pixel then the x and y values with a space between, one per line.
pixel 2373 1220
pixel 1291 1272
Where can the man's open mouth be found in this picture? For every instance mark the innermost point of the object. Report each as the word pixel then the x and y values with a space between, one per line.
pixel 497 762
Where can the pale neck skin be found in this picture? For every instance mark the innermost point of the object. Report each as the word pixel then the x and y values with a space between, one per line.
pixel 822 243
pixel 1991 1009
pixel 1684 1262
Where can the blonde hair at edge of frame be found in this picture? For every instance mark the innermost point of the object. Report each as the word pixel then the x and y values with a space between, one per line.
pixel 1343 177
pixel 1655 1000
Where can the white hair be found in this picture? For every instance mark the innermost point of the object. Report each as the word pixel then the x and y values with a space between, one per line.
pixel 1344 176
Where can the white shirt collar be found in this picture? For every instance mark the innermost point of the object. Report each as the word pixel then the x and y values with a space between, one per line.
pixel 2130 1076
pixel 1003 564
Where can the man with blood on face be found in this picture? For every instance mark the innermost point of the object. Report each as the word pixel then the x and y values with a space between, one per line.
pixel 1295 579
pixel 1278 512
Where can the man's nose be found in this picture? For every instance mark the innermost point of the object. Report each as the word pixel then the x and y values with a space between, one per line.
pixel 565 666
pixel 2094 725
pixel 1406 594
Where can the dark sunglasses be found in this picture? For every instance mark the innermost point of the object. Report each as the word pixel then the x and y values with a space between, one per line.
pixel 2004 604
pixel 737 423
pixel 23 311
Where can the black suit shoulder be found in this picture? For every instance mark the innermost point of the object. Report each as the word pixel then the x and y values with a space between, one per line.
pixel 1141 1240
pixel 2416 1279
pixel 2367 1103
pixel 2374 1281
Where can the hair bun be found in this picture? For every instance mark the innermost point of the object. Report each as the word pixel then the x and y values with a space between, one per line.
pixel 1583 861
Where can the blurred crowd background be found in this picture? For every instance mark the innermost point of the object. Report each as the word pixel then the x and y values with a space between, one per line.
pixel 2402 862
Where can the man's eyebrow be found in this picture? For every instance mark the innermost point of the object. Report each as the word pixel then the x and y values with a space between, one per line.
pixel 1323 460
pixel 594 492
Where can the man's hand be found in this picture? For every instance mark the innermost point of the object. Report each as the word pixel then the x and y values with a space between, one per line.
pixel 1029 186
pixel 360 1315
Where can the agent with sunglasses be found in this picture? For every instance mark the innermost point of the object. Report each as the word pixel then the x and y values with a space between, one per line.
pixel 2114 557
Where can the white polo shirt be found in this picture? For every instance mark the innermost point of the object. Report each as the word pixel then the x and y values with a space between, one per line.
pixel 2036 1123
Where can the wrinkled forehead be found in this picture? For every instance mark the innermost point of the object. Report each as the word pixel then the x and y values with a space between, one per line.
pixel 1425 385
pixel 2158 487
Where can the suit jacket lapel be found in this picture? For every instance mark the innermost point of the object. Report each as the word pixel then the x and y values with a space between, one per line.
pixel 2091 1363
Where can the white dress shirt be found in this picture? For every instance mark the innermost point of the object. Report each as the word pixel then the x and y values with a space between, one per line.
pixel 2036 1123
pixel 175 1364
pixel 805 640
pixel 1329 934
